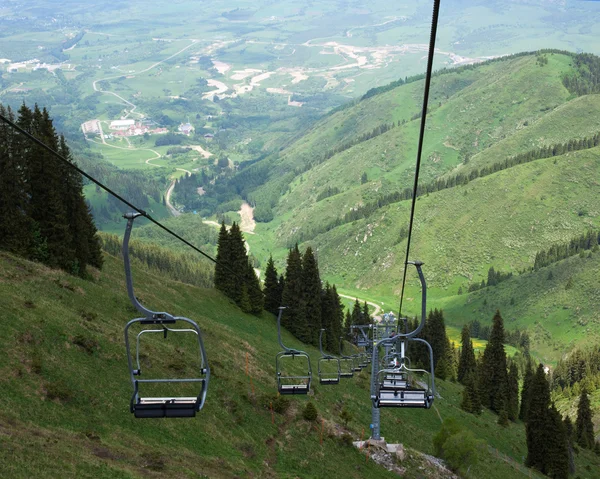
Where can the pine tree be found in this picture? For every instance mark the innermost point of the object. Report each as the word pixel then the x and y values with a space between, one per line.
pixel 471 402
pixel 271 285
pixel 238 263
pixel 570 435
pixel 536 427
pixel 557 459
pixel 337 320
pixel 512 406
pixel 466 364
pixel 494 378
pixel 584 428
pixel 311 297
pixel 222 273
pixel 357 316
pixel 255 294
pixel 245 304
pixel 15 225
pixel 503 417
pixel 525 392
pixel 45 179
pixel 366 316
pixel 293 316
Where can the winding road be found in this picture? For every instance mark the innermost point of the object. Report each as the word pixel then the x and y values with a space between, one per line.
pixel 378 309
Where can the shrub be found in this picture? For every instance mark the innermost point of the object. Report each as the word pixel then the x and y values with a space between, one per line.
pixel 310 412
pixel 345 440
pixel 462 450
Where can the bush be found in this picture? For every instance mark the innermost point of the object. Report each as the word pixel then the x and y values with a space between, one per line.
pixel 280 403
pixel 310 412
pixel 462 450
pixel 459 448
pixel 346 440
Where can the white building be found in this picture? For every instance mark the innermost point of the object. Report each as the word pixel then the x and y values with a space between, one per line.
pixel 121 124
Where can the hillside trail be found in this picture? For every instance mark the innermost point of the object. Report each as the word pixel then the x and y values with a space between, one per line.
pixel 378 309
pixel 174 211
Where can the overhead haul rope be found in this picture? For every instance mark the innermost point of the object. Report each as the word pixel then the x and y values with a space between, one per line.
pixel 108 190
pixel 434 22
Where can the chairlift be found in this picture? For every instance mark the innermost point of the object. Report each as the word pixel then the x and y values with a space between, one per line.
pixel 329 366
pixel 347 363
pixel 394 384
pixel 145 406
pixel 288 383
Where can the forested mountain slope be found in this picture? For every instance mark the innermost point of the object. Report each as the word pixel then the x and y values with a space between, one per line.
pixel 65 393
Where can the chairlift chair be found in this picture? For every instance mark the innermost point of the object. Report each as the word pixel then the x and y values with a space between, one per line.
pixel 346 363
pixel 291 383
pixel 326 375
pixel 144 406
pixel 393 386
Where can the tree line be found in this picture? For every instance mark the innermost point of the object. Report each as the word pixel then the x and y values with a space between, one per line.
pixel 585 80
pixel 178 266
pixel 310 304
pixel 492 381
pixel 587 241
pixel 452 181
pixel 234 273
pixel 43 213
pixel 577 371
pixel 493 278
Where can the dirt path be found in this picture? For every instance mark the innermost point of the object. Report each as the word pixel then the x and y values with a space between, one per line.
pixel 204 153
pixel 172 209
pixel 378 309
pixel 247 223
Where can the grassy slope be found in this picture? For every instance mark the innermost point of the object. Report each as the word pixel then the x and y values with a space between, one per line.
pixel 533 205
pixel 90 433
pixel 470 111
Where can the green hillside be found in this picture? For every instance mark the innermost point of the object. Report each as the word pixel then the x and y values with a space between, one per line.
pixel 65 392
pixel 479 116
pixel 470 110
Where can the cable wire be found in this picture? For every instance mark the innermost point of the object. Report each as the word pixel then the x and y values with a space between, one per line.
pixel 434 22
pixel 108 190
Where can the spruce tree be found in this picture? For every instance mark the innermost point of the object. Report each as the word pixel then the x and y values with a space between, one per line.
pixel 536 429
pixel 271 285
pixel 255 293
pixel 366 316
pixel 466 363
pixel 357 315
pixel 471 402
pixel 494 377
pixel 337 320
pixel 557 459
pixel 45 180
pixel 238 263
pixel 512 406
pixel 222 280
pixel 293 316
pixel 584 428
pixel 16 228
pixel 311 297
pixel 570 435
pixel 525 392
pixel 244 302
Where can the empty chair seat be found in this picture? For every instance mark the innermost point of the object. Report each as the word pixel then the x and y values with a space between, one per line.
pixel 329 380
pixel 394 384
pixel 404 398
pixel 293 389
pixel 153 407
